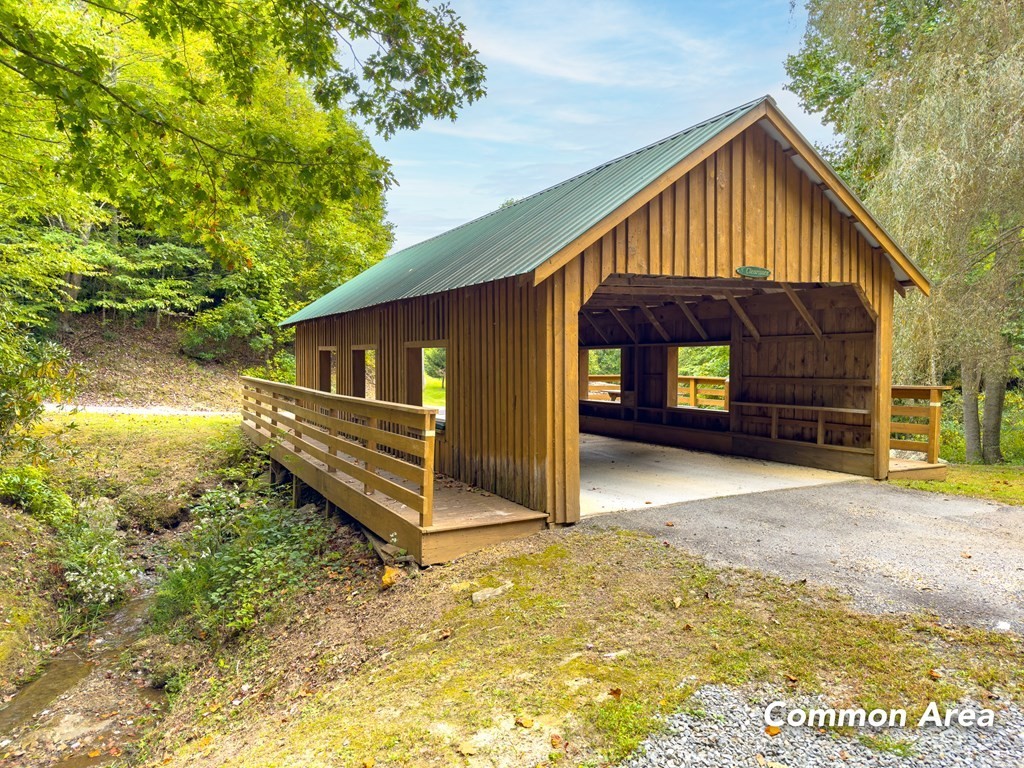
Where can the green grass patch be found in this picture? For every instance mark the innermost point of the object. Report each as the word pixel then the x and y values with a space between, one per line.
pixel 150 465
pixel 996 482
pixel 434 395
pixel 886 743
pixel 602 634
pixel 27 614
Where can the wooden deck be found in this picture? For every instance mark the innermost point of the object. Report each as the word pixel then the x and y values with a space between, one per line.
pixel 374 461
pixel 908 469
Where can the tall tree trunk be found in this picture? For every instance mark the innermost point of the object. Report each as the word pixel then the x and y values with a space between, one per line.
pixel 995 397
pixel 969 377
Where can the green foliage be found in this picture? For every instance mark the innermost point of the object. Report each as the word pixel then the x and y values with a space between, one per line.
pixel 925 96
pixel 191 112
pixel 435 363
pixel 704 361
pixel 953 445
pixel 132 272
pixel 281 367
pixel 605 361
pixel 246 550
pixel 32 370
pixel 95 572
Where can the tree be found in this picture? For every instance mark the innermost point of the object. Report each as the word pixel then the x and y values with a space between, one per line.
pixel 184 114
pixel 435 363
pixel 925 95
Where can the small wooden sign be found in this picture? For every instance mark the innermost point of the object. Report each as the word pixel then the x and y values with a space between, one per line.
pixel 757 272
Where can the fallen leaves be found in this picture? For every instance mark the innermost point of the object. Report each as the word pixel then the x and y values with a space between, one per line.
pixel 772 730
pixel 934 674
pixel 524 722
pixel 616 693
pixel 391 577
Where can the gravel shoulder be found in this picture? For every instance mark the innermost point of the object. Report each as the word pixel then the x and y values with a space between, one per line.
pixel 890 549
pixel 725 727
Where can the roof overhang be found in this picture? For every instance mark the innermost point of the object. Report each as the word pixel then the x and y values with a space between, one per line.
pixel 803 155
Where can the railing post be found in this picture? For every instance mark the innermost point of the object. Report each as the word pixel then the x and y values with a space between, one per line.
pixel 693 390
pixel 371 444
pixel 934 424
pixel 427 491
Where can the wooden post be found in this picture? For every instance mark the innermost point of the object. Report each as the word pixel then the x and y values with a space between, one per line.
pixel 584 374
pixel 672 376
pixel 934 424
pixel 692 380
pixel 427 513
pixel 371 444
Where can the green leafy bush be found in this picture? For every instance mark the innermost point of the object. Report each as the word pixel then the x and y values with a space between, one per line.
pixel 245 551
pixel 95 571
pixel 281 367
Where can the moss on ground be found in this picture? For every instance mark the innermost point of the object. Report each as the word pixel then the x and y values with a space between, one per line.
pixel 27 616
pixel 997 482
pixel 601 635
pixel 150 464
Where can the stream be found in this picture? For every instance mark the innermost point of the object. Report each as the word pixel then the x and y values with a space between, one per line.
pixel 84 708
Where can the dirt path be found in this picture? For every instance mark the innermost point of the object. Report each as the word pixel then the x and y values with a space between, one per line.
pixel 891 549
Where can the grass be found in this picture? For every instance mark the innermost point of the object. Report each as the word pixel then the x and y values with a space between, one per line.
pixel 27 616
pixel 434 395
pixel 886 743
pixel 602 634
pixel 149 464
pixel 997 482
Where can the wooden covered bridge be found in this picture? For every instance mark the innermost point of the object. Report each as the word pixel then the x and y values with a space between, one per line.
pixel 733 233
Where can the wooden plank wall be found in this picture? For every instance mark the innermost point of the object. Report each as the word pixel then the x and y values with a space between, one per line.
pixel 494 433
pixel 513 416
pixel 748 204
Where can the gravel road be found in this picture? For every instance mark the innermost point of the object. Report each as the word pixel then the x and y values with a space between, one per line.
pixel 891 549
pixel 724 727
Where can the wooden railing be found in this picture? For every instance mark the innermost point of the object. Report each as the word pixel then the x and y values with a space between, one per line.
pixel 691 391
pixel 703 392
pixel 916 427
pixel 387 447
pixel 604 387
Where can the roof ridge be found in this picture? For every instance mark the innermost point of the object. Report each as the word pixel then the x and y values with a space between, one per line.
pixel 595 169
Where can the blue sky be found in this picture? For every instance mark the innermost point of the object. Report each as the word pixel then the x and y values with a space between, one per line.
pixel 572 84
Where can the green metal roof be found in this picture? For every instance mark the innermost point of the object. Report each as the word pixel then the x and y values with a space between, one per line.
pixel 516 239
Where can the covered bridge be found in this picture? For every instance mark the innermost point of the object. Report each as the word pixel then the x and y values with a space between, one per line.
pixel 733 232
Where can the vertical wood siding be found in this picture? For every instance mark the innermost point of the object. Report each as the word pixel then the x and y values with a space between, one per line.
pixel 513 381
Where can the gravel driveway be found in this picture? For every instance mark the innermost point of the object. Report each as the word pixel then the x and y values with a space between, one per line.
pixel 891 549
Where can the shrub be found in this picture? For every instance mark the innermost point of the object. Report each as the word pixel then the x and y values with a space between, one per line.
pixel 281 367
pixel 246 550
pixel 95 571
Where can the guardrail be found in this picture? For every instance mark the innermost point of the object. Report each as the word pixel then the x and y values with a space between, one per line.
pixel 691 391
pixel 916 427
pixel 376 443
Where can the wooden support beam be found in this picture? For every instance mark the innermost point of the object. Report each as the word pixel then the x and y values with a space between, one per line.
pixel 804 313
pixel 597 329
pixel 621 321
pixel 863 297
pixel 693 319
pixel 655 322
pixel 743 316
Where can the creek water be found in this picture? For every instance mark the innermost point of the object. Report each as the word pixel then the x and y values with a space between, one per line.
pixel 98 654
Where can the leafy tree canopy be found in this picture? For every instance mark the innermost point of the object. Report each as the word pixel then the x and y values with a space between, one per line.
pixel 191 114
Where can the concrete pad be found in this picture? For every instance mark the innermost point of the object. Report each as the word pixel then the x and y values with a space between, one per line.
pixel 617 475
